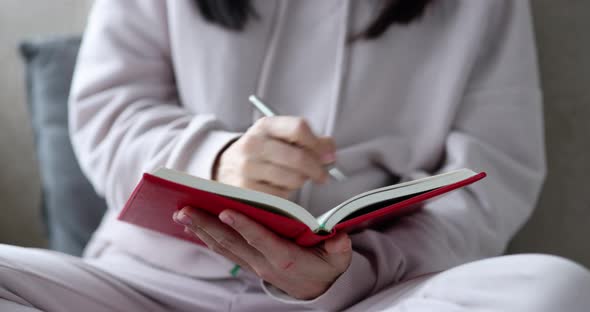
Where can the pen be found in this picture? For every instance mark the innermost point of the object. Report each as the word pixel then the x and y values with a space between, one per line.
pixel 266 111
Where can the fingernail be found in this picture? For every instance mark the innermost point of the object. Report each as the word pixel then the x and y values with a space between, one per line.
pixel 339 244
pixel 226 218
pixel 182 218
pixel 345 245
pixel 329 158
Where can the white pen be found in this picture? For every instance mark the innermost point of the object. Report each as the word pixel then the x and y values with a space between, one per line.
pixel 266 111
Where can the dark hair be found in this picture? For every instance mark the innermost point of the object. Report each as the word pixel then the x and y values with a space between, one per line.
pixel 234 14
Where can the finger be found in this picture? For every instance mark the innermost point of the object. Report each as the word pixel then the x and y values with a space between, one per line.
pixel 273 174
pixel 225 236
pixel 295 158
pixel 290 129
pixel 276 250
pixel 215 247
pixel 338 251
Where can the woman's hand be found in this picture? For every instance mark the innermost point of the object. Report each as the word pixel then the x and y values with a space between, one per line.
pixel 276 156
pixel 303 273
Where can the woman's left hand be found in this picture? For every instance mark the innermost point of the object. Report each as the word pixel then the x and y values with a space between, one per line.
pixel 303 273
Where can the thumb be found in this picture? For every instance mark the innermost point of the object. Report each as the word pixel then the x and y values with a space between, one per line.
pixel 339 251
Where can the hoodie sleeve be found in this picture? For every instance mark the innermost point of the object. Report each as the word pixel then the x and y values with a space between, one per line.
pixel 124 110
pixel 498 129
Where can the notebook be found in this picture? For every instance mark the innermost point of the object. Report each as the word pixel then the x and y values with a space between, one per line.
pixel 159 194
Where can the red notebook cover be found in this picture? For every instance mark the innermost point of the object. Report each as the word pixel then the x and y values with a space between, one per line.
pixel 154 200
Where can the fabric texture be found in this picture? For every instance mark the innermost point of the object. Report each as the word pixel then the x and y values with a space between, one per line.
pixel 156 85
pixel 38 280
pixel 71 208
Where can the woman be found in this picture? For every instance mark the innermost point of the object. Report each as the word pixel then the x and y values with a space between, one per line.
pixel 389 90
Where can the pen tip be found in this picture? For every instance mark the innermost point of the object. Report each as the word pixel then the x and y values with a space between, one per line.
pixel 337 174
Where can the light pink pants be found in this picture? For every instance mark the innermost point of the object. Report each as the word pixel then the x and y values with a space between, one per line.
pixel 33 280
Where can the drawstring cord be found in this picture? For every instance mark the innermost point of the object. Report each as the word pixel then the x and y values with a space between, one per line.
pixel 338 86
pixel 341 67
pixel 278 23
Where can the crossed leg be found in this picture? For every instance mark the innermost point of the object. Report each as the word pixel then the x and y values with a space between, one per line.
pixel 519 283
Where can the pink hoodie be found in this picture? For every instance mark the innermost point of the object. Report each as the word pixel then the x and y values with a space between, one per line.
pixel 157 86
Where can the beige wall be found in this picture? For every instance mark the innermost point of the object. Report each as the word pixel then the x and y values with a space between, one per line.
pixel 561 224
pixel 19 183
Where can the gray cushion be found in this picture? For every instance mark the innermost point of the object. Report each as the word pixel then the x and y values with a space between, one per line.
pixel 72 210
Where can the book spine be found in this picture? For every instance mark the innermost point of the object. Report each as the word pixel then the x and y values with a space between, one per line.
pixel 308 238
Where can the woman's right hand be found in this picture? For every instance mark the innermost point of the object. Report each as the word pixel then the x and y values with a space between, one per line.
pixel 276 156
